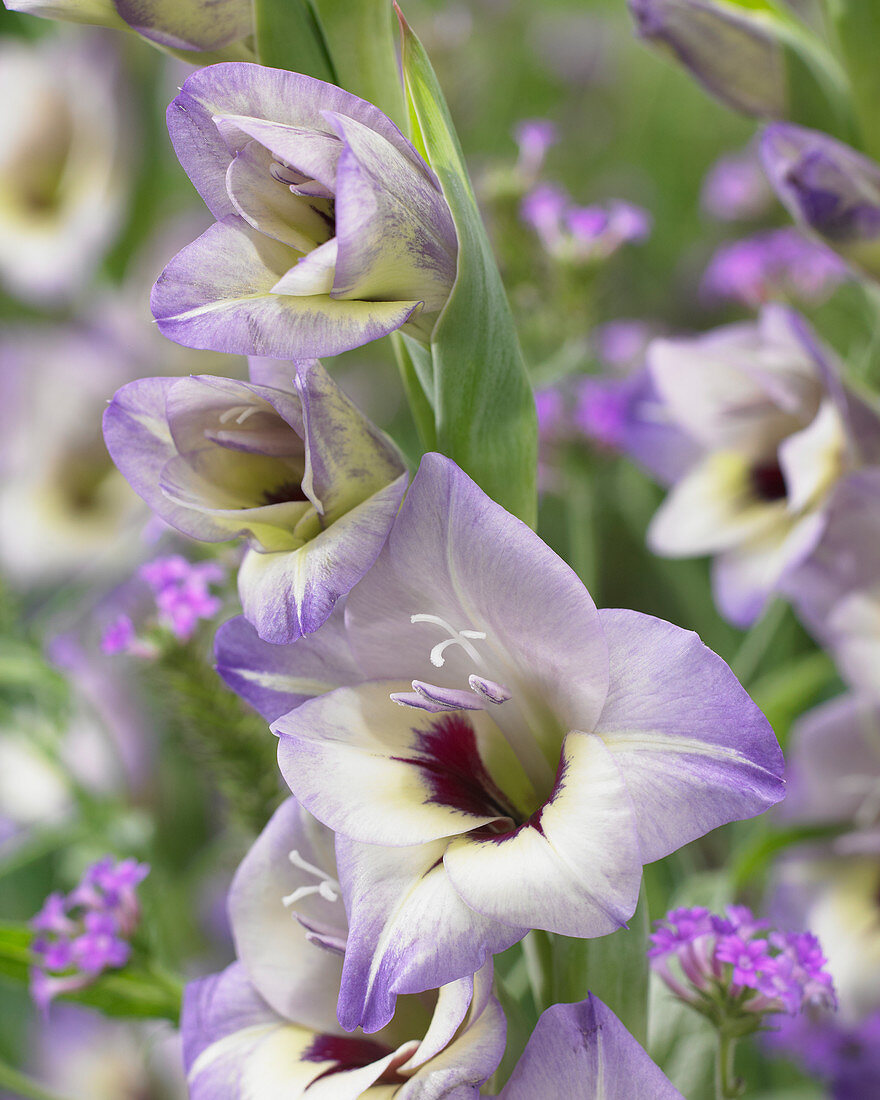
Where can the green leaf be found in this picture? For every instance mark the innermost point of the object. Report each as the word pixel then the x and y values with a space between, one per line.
pixel 137 991
pixel 360 40
pixel 818 94
pixel 19 1085
pixel 754 860
pixel 417 373
pixel 289 36
pixel 483 404
pixel 857 26
pixel 613 967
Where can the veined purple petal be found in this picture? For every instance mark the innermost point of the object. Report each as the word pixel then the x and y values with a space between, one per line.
pixel 277 678
pixel 394 950
pixel 288 595
pixel 693 749
pixel 259 93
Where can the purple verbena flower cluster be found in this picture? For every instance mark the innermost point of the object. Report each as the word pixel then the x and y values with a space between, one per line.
pixel 181 590
pixel 81 934
pixel 582 234
pixel 776 264
pixel 726 970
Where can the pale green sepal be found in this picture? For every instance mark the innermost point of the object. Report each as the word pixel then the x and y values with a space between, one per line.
pixel 360 39
pixel 484 408
pixel 289 36
pixel 613 967
pixel 417 373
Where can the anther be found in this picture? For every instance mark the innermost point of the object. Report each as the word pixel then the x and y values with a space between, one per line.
pixel 489 689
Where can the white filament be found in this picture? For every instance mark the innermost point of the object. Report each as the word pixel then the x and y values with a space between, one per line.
pixel 456 637
pixel 242 413
pixel 327 886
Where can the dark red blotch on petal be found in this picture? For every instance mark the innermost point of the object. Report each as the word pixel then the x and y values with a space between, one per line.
pixel 450 761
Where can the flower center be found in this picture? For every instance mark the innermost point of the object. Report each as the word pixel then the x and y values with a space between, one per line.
pixel 768 482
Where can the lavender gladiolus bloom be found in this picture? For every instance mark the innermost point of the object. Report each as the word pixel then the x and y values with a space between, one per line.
pixel 733 54
pixel 846 1055
pixel 295 468
pixel 507 756
pixel 584 1051
pixel 829 189
pixel 266 1026
pixel 777 433
pixel 331 230
pixel 63 171
pixel 836 592
pixel 833 891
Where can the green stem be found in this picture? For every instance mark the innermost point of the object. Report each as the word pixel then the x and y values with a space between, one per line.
pixel 537 950
pixel 23 1086
pixel 747 661
pixel 727 1087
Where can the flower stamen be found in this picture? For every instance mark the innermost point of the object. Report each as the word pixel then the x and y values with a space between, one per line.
pixel 327 886
pixel 456 637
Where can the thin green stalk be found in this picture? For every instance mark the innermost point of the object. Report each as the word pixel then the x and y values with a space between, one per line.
pixel 747 661
pixel 25 1087
pixel 727 1087
pixel 537 951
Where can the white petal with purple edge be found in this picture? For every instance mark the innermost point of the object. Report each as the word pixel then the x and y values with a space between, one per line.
pixel 744 577
pixel 410 931
pixel 217 293
pixel 288 595
pixel 313 274
pixel 575 868
pixel 712 508
pixel 297 978
pixel 269 205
